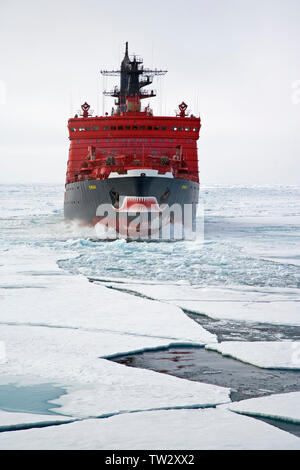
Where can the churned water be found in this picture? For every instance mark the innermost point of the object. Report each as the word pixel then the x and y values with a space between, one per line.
pixel 251 237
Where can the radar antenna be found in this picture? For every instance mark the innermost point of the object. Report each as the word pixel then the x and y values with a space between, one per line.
pixel 133 77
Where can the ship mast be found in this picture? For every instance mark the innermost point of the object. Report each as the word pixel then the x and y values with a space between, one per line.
pixel 133 77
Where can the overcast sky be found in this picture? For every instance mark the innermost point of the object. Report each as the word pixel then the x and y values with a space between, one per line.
pixel 233 61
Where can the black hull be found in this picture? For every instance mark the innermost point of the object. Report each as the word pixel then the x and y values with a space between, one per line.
pixel 167 197
pixel 82 198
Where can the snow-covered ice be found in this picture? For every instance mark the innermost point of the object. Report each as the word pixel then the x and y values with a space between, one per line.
pixel 63 330
pixel 265 354
pixel 10 421
pixel 282 255
pixel 179 429
pixel 120 389
pixel 253 304
pixel 282 407
pixel 97 386
pixel 72 301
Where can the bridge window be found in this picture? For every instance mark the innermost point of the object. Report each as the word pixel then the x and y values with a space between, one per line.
pixel 156 128
pixel 113 128
pixel 174 128
pixel 180 128
pixel 81 129
pixel 142 128
pixel 88 128
pixel 149 128
pixel 73 129
pixel 120 128
pixel 134 128
pixel 106 128
pixel 163 128
pixel 187 129
pixel 127 128
pixel 95 128
pixel 195 129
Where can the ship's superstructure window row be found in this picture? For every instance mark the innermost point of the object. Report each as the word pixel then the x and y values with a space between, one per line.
pixel 138 140
pixel 135 128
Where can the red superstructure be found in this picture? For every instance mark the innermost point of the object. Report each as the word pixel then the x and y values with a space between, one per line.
pixel 131 140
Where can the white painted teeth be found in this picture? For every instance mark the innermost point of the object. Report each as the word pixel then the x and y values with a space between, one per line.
pixel 139 199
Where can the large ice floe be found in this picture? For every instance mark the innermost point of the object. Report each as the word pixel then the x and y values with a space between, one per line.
pixel 44 296
pixel 282 407
pixel 10 421
pixel 241 303
pixel 165 429
pixel 265 354
pixel 95 386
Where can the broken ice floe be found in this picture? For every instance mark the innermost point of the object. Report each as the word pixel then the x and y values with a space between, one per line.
pixel 72 301
pixel 266 354
pixel 10 421
pixel 180 429
pixel 253 304
pixel 96 386
pixel 283 407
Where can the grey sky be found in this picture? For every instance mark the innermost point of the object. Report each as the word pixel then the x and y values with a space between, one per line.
pixel 234 61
